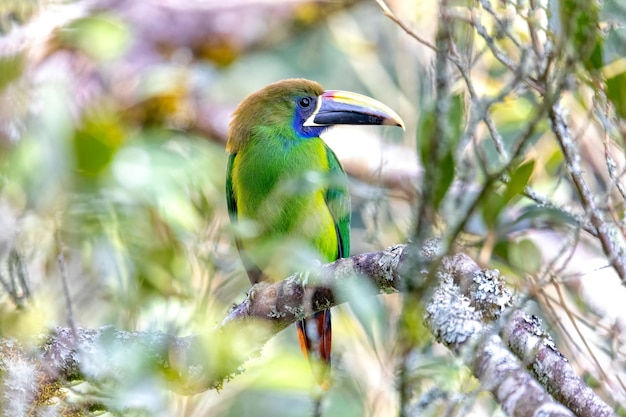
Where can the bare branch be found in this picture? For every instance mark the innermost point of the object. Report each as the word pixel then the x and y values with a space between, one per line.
pixel 602 230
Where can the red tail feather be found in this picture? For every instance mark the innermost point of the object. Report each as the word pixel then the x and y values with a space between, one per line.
pixel 315 337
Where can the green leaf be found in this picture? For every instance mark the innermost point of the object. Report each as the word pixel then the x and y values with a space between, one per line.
pixel 519 180
pixel 542 216
pixel 496 200
pixel 525 256
pixel 425 132
pixel 595 61
pixel 446 176
pixel 580 25
pixel 456 119
pixel 11 67
pixel 554 162
pixel 492 205
pixel 103 36
pixel 96 141
pixel 616 92
pixel 440 164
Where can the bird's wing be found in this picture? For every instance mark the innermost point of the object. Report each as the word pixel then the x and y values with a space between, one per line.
pixel 254 273
pixel 338 201
pixel 231 201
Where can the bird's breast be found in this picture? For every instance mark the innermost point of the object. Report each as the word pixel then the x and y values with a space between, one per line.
pixel 281 194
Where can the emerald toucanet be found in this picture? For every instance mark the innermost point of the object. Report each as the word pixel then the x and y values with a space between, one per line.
pixel 286 190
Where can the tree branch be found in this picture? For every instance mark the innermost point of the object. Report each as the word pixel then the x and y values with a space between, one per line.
pixel 465 313
pixel 612 249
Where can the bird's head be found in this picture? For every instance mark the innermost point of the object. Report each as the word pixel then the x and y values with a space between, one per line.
pixel 299 109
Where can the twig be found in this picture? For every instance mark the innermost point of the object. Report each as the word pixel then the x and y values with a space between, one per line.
pixel 387 12
pixel 545 202
pixel 572 158
pixel 503 58
pixel 16 284
pixel 66 289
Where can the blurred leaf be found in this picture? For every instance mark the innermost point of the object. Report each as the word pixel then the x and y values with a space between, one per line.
pixel 492 204
pixel 17 12
pixel 443 161
pixel 103 37
pixel 518 180
pixel 24 323
pixel 347 398
pixel 425 131
pixel 595 60
pixel 456 119
pixel 535 216
pixel 496 200
pixel 501 250
pixel 579 22
pixel 525 256
pixel 367 308
pixel 11 68
pixel 616 92
pixel 446 177
pixel 554 163
pixel 511 113
pixel 97 141
pixel 413 332
pixel 221 51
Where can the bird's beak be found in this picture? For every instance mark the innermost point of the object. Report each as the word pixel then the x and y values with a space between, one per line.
pixel 345 108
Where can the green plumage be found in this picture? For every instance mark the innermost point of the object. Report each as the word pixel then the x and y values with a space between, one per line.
pixel 286 191
pixel 293 192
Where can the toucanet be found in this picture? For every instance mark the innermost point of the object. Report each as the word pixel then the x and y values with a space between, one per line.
pixel 287 192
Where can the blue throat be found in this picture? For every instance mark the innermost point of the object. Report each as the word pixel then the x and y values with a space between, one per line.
pixel 306 132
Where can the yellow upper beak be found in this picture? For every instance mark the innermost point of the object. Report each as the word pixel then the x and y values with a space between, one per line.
pixel 337 107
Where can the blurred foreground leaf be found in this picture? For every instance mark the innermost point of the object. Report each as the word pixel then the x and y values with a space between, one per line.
pixel 102 36
pixel 11 68
pixel 616 93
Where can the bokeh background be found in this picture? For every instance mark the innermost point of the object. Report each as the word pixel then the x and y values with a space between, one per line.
pixel 113 122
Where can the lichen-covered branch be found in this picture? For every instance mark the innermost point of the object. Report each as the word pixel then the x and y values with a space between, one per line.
pixel 456 319
pixel 475 305
pixel 466 313
pixel 527 339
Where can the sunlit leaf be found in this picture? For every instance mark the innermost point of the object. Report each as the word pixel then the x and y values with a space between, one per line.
pixel 554 162
pixel 97 141
pixel 413 332
pixel 102 37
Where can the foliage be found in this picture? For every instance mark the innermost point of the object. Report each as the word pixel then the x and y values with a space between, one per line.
pixel 112 130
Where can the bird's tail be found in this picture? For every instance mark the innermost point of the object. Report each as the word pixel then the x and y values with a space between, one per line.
pixel 315 337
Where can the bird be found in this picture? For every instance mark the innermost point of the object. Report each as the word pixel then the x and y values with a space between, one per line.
pixel 287 193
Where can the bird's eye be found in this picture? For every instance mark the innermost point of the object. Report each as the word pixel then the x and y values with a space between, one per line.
pixel 304 102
